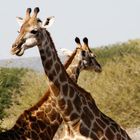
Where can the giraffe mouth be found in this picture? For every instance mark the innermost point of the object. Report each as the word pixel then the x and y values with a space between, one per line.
pixel 19 51
pixel 98 68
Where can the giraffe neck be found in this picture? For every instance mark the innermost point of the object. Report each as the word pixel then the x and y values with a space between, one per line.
pixel 52 65
pixel 73 66
pixel 74 70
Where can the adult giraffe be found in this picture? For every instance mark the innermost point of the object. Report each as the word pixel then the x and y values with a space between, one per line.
pixel 76 106
pixel 42 121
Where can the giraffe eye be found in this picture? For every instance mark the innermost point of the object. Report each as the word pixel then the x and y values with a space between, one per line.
pixel 83 53
pixel 33 31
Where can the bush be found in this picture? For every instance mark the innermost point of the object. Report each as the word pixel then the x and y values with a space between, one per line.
pixel 10 81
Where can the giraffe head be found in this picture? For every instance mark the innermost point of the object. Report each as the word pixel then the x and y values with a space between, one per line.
pixel 87 57
pixel 29 33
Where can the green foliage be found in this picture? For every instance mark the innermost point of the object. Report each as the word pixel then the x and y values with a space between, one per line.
pixel 116 90
pixel 10 80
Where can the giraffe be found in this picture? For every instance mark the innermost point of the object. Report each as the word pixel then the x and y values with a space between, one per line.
pixel 82 117
pixel 81 58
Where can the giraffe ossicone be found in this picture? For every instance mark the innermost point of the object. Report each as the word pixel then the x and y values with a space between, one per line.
pixel 77 108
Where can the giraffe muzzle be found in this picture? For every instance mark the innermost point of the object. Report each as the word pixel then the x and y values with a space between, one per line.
pixel 17 52
pixel 98 68
pixel 17 49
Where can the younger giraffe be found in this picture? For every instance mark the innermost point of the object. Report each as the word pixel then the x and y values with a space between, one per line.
pixel 76 106
pixel 41 121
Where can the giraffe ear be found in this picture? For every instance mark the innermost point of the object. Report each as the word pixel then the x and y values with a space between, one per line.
pixel 48 22
pixel 19 21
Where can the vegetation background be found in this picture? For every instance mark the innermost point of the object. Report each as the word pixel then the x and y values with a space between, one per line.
pixel 116 90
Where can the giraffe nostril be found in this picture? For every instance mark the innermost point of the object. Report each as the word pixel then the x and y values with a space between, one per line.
pixel 15 45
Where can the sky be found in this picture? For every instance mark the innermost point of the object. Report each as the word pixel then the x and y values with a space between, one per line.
pixel 102 21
